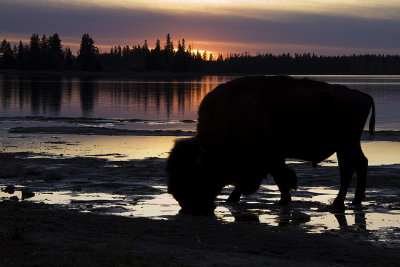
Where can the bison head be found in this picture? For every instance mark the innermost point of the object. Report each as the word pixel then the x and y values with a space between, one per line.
pixel 192 182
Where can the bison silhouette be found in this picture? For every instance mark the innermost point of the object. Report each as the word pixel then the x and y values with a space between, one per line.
pixel 247 127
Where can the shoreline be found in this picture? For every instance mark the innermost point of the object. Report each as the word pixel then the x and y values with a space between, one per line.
pixel 159 74
pixel 110 74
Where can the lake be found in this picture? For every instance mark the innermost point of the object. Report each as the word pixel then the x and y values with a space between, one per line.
pixel 149 104
pixel 164 100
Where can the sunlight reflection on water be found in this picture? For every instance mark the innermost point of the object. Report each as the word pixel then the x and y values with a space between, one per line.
pixel 378 153
pixel 140 147
pixel 108 147
pixel 381 225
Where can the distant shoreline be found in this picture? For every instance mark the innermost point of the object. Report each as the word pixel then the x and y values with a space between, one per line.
pixel 107 74
pixel 153 74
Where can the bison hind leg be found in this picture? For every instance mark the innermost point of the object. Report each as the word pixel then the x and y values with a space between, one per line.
pixel 248 188
pixel 234 197
pixel 291 178
pixel 361 167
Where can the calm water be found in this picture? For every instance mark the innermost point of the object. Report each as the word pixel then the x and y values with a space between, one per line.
pixel 164 100
pixel 147 104
pixel 103 98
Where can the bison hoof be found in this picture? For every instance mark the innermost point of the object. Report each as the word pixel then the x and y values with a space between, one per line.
pixel 337 208
pixel 284 202
pixel 196 212
pixel 357 206
pixel 233 199
pixel 356 202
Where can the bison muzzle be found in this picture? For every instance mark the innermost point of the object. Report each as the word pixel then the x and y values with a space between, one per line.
pixel 248 127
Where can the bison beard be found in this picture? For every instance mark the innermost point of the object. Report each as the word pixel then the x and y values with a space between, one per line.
pixel 249 126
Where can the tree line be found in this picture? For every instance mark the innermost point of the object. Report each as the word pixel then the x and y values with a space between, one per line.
pixel 47 53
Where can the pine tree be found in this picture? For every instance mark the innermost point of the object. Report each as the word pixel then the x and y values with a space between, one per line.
pixel 157 49
pixel 183 45
pixel 179 47
pixel 119 51
pixel 87 54
pixel 34 53
pixel 126 52
pixel 7 60
pixel 56 55
pixel 153 61
pixel 22 56
pixel 145 47
pixel 44 56
pixel 169 46
pixel 204 57
pixel 69 64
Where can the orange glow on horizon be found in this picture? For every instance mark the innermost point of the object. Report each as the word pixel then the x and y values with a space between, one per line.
pixel 215 48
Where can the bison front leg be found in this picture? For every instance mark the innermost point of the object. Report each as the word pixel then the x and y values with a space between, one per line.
pixel 245 187
pixel 285 179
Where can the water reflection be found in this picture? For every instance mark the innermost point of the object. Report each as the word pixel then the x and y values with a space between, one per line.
pixel 95 97
pixel 88 91
pixel 155 99
pixel 374 223
pixel 359 219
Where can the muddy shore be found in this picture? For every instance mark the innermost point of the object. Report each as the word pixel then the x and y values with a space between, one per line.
pixel 35 234
pixel 40 234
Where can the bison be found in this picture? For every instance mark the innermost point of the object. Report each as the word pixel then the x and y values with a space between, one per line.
pixel 247 127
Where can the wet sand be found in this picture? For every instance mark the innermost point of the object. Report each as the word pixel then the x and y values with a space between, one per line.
pixel 82 231
pixel 34 234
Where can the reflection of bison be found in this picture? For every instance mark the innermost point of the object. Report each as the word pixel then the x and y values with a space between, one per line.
pixel 249 126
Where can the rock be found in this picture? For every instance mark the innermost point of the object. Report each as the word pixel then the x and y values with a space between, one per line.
pixel 26 193
pixel 9 189
pixel 14 198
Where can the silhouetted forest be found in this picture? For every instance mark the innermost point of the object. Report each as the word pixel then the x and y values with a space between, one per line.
pixel 47 53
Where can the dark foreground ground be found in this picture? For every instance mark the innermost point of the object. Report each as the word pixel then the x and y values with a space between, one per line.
pixel 35 234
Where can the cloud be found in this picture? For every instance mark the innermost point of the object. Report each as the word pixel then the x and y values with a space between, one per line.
pixel 116 25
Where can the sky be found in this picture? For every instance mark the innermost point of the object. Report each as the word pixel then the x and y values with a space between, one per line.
pixel 323 27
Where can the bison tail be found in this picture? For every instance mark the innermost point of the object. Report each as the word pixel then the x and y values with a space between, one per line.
pixel 372 119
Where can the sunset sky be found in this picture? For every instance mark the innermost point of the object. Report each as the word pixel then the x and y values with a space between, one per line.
pixel 272 26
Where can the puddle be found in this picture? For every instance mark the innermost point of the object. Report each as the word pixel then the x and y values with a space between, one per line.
pixel 136 188
pixel 374 223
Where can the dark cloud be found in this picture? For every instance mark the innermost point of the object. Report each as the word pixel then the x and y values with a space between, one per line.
pixel 118 26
